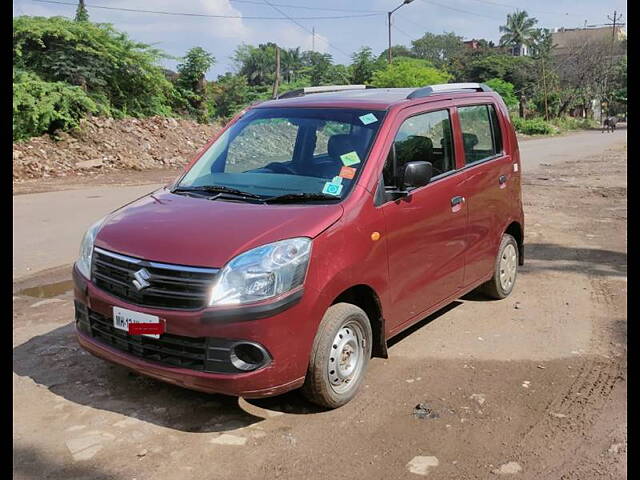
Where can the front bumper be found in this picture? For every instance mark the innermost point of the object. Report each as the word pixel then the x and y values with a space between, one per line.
pixel 287 335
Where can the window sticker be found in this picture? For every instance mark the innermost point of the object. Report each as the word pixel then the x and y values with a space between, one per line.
pixel 368 118
pixel 515 167
pixel 349 159
pixel 347 172
pixel 337 180
pixel 331 188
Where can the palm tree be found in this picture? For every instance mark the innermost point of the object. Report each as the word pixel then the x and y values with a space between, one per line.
pixel 520 30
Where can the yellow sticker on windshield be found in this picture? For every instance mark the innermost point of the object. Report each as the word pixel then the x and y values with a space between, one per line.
pixel 349 159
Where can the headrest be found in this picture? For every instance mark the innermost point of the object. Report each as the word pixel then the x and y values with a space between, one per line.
pixel 470 140
pixel 339 145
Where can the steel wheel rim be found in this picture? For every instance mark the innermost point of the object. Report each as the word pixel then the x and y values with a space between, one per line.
pixel 346 357
pixel 508 266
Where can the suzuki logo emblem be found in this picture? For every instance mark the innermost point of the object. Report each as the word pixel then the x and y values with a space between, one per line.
pixel 141 279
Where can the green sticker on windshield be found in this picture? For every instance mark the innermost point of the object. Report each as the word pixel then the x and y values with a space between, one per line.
pixel 349 159
pixel 368 118
pixel 332 189
pixel 337 180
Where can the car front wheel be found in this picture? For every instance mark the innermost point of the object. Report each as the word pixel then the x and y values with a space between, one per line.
pixel 340 355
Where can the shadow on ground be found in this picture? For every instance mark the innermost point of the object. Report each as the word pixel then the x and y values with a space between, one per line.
pixel 590 261
pixel 56 361
pixel 31 463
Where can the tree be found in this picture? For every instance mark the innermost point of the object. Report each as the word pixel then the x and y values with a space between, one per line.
pixel 437 49
pixel 196 63
pixel 228 95
pixel 505 90
pixel 396 51
pixel 258 64
pixel 291 63
pixel 81 12
pixel 408 72
pixel 320 70
pixel 519 30
pixel 363 66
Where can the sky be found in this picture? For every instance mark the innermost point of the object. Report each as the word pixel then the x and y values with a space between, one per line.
pixel 340 37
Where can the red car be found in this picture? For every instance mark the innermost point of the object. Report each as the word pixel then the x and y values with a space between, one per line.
pixel 307 233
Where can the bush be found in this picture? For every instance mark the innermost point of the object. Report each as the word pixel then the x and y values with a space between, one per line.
pixel 408 72
pixel 572 123
pixel 112 69
pixel 40 107
pixel 533 126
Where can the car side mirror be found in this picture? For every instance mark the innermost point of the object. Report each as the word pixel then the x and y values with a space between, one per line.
pixel 417 174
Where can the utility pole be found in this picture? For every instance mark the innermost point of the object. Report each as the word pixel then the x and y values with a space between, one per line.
pixel 276 82
pixel 313 39
pixel 544 85
pixel 615 22
pixel 405 2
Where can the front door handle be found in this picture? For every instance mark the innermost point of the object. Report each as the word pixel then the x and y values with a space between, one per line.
pixel 502 180
pixel 457 201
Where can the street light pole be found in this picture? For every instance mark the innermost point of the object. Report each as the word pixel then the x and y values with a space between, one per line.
pixel 405 2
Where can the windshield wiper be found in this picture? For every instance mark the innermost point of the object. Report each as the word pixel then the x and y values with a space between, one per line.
pixel 299 197
pixel 217 189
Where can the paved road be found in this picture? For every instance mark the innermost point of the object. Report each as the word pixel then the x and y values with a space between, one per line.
pixel 47 227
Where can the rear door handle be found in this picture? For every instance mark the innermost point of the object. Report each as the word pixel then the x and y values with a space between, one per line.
pixel 502 180
pixel 457 201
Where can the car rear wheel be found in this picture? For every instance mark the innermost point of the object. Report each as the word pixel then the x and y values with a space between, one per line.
pixel 506 269
pixel 340 355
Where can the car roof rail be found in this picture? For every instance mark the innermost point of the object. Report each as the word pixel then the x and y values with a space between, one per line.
pixel 448 88
pixel 299 92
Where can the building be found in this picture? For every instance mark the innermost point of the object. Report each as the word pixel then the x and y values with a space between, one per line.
pixel 472 44
pixel 519 51
pixel 566 38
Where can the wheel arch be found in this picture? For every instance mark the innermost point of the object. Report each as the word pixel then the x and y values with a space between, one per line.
pixel 515 230
pixel 368 300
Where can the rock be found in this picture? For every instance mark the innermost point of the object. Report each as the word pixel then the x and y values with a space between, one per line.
pixel 142 453
pixel 85 447
pixel 615 448
pixel 420 465
pixel 227 439
pixel 87 164
pixel 508 469
pixel 422 411
pixel 479 398
pixel 557 415
pixel 517 306
pixel 526 384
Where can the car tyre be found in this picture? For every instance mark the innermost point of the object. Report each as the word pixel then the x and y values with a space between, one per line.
pixel 339 357
pixel 505 270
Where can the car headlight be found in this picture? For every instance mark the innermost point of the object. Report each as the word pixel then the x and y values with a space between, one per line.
pixel 86 249
pixel 263 272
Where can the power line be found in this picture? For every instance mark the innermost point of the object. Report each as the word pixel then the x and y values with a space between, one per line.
pixel 185 14
pixel 461 11
pixel 305 28
pixel 303 7
pixel 514 7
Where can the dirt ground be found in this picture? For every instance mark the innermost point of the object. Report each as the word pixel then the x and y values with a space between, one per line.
pixel 532 387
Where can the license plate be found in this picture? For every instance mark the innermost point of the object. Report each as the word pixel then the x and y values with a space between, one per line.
pixel 122 318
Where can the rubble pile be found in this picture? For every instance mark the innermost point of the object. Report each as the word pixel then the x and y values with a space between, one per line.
pixel 102 144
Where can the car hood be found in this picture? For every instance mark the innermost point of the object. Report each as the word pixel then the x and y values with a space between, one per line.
pixel 170 228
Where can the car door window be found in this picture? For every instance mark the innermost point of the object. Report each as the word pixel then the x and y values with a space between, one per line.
pixel 425 137
pixel 481 134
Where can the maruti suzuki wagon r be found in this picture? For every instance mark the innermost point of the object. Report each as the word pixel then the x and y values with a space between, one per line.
pixel 307 233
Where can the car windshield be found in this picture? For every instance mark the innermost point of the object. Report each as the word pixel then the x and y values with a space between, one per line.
pixel 299 154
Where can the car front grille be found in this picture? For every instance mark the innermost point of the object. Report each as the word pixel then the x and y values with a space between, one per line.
pixel 174 350
pixel 204 354
pixel 169 286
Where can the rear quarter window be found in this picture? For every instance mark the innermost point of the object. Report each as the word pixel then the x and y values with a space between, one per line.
pixel 481 134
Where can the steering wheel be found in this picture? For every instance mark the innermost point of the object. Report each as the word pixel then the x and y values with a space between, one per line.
pixel 280 168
